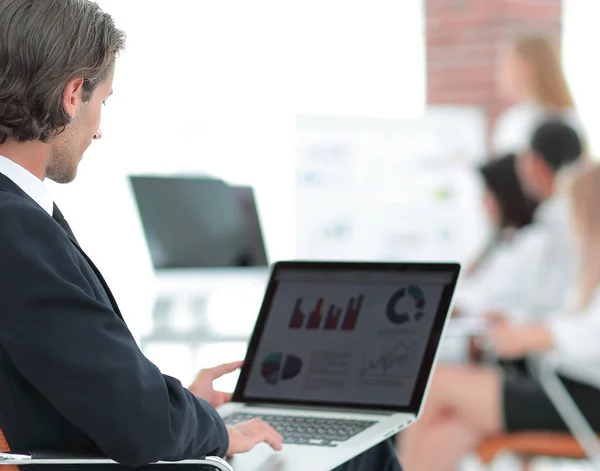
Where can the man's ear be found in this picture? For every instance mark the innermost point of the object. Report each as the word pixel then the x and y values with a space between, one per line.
pixel 73 95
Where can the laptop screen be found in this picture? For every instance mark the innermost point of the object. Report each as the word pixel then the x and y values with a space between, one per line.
pixel 359 335
pixel 198 222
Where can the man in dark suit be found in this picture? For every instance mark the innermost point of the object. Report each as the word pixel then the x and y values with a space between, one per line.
pixel 72 378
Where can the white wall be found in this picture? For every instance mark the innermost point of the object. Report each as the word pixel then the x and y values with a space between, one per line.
pixel 359 58
pixel 581 37
pixel 214 86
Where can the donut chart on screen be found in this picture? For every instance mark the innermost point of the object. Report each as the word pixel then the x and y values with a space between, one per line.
pixel 278 367
pixel 418 302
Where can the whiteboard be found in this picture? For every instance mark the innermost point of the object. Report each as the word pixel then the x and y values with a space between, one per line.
pixel 390 189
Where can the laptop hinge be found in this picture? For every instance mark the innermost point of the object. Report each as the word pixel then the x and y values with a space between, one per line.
pixel 322 409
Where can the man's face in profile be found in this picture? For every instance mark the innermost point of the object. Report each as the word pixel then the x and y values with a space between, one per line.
pixel 67 148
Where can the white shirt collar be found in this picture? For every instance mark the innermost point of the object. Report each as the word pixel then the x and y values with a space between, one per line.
pixel 28 182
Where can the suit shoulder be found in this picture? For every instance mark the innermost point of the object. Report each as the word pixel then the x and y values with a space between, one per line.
pixel 10 201
pixel 22 219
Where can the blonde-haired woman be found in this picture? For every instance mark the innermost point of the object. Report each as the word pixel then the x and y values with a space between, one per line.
pixel 469 403
pixel 530 75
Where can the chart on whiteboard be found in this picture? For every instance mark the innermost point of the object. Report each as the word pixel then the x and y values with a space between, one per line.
pixel 390 189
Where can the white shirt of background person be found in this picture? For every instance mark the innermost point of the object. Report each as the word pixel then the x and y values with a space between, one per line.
pixel 531 276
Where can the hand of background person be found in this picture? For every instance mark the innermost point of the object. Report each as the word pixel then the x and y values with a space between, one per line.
pixel 203 388
pixel 511 341
pixel 245 436
pixel 477 343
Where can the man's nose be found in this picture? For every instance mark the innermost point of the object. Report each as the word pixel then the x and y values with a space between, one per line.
pixel 98 134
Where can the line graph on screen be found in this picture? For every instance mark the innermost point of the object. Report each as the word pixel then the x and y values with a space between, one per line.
pixel 388 358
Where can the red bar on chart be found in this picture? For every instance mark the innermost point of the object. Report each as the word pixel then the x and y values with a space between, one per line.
pixel 331 322
pixel 314 321
pixel 352 313
pixel 297 316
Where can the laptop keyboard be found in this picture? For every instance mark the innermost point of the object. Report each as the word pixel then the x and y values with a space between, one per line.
pixel 316 431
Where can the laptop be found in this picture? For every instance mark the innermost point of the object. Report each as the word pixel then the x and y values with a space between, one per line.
pixel 340 359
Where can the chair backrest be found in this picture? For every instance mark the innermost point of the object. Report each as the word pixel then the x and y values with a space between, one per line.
pixel 5 448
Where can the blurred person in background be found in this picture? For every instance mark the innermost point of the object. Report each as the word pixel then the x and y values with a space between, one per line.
pixel 530 75
pixel 468 403
pixel 542 263
pixel 508 209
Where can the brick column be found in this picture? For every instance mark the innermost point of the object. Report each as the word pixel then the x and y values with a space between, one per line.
pixel 463 39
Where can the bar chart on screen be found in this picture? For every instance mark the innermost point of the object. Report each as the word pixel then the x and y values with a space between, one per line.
pixel 326 316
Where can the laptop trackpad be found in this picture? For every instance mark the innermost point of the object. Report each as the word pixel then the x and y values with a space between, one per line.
pixel 262 457
pixel 291 458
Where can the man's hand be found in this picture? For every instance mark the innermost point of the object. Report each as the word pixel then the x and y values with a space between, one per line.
pixel 245 436
pixel 202 386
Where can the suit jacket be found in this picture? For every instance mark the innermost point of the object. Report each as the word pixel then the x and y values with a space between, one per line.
pixel 72 378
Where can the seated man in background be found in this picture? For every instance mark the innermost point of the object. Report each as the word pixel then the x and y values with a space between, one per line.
pixel 468 403
pixel 72 378
pixel 536 276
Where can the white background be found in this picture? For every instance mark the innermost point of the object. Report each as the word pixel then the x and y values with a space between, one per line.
pixel 215 86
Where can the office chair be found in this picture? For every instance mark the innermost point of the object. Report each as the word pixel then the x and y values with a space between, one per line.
pixel 526 446
pixel 581 443
pixel 12 462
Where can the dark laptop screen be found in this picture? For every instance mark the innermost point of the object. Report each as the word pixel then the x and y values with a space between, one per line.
pixel 361 335
pixel 198 222
pixel 255 244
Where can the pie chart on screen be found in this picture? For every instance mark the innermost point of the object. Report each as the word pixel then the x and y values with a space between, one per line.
pixel 406 305
pixel 278 367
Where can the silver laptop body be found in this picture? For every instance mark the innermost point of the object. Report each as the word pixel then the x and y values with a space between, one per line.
pixel 340 358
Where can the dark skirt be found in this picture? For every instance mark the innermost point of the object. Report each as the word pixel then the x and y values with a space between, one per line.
pixel 527 408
